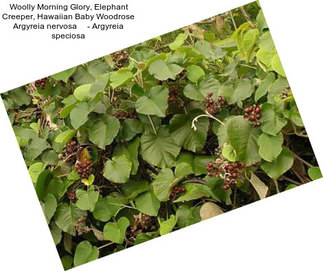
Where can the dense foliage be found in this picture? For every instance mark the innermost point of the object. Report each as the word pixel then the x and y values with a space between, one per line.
pixel 158 136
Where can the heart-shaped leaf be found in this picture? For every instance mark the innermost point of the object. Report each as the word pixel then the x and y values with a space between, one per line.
pixel 116 231
pixel 118 169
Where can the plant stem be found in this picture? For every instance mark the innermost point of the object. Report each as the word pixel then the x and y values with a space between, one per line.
pixel 276 185
pixel 247 17
pixel 105 245
pixel 301 159
pixel 152 124
pixel 233 21
pixel 205 115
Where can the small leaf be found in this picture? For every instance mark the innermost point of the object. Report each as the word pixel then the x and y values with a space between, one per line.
pixel 277 65
pixel 82 93
pixel 86 200
pixel 163 71
pixel 314 173
pixel 79 114
pixel 194 191
pixel 118 169
pixel 49 206
pixel 120 77
pixel 163 184
pixel 106 208
pixel 272 122
pixel 259 186
pixel 85 253
pixel 280 165
pixel 35 170
pixel 187 215
pixel 116 231
pixel 179 40
pixel 229 152
pixel 166 226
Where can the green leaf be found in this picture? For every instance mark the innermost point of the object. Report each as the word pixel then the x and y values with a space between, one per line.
pixel 163 71
pixel 314 173
pixel 35 170
pixel 79 114
pixel 85 253
pixel 82 93
pixel 66 217
pixel 49 206
pixel 154 102
pixel 87 74
pixel 194 73
pixel 86 200
pixel 103 129
pixel 229 153
pixel 258 185
pixel 241 135
pixel 132 189
pixel 199 92
pixel 210 209
pixel 65 137
pixel 261 22
pixel 163 184
pixel 19 97
pixel 159 149
pixel 187 164
pixel 248 43
pixel 131 151
pixel 265 86
pixel 272 123
pixel 238 93
pixel 56 233
pixel 184 135
pixel 179 41
pixel 195 191
pixel 120 77
pixel 106 208
pixel 277 65
pixel 116 231
pixel 118 169
pixel 35 148
pixel 167 225
pixel 130 128
pixel 270 146
pixel 147 203
pixel 187 215
pixel 64 75
pixel 280 165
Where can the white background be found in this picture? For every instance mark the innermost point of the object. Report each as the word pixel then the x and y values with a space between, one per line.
pixel 283 232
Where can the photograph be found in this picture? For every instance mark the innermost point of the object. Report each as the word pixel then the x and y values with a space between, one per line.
pixel 159 136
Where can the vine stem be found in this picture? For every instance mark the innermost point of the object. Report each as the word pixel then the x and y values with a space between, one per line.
pixel 152 124
pixel 302 160
pixel 208 115
pixel 105 245
pixel 233 21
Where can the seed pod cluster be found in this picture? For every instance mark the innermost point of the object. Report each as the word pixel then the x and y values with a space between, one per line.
pixel 120 58
pixel 81 226
pixel 84 169
pixel 71 195
pixel 174 97
pixel 143 223
pixel 253 114
pixel 213 107
pixel 41 83
pixel 132 114
pixel 177 191
pixel 226 170
pixel 69 152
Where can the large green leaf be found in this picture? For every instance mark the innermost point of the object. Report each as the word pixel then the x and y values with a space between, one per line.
pixel 194 73
pixel 79 114
pixel 195 191
pixel 64 137
pixel 242 136
pixel 64 75
pixel 280 165
pixel 265 86
pixel 198 92
pixel 130 128
pixel 118 169
pixel 187 215
pixel 49 206
pixel 163 184
pixel 161 70
pixel 106 208
pixel 86 200
pixel 233 94
pixel 159 149
pixel 154 102
pixel 82 93
pixel 103 129
pixel 120 77
pixel 131 151
pixel 314 173
pixel 270 146
pixel 85 253
pixel 35 170
pixel 272 122
pixel 184 135
pixel 116 231
pixel 147 203
pixel 35 148
pixel 66 217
